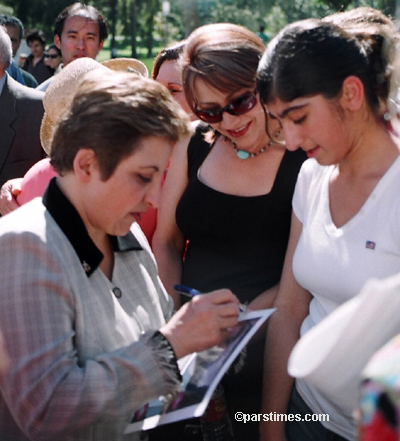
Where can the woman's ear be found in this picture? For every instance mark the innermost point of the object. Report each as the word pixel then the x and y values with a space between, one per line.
pixel 85 162
pixel 353 95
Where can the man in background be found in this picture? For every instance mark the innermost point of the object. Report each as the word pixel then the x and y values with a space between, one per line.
pixel 79 31
pixel 21 111
pixel 15 30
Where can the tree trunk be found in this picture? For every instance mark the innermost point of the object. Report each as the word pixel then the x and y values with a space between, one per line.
pixel 133 27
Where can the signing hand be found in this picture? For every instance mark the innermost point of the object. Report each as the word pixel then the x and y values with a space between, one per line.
pixel 203 322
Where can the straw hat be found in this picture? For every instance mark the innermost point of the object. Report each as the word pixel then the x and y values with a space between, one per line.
pixel 62 89
pixel 127 65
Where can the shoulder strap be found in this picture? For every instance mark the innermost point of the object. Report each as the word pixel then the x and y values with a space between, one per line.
pixel 198 149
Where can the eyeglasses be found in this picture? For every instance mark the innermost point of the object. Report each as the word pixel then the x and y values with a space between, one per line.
pixel 52 56
pixel 239 106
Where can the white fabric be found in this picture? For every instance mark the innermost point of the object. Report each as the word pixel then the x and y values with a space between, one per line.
pixel 334 263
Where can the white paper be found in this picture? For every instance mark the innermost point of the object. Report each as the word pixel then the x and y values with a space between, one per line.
pixel 201 373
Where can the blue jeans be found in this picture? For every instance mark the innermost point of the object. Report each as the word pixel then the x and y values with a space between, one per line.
pixel 306 430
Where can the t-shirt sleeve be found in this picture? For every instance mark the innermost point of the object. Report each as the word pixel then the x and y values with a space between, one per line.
pixel 302 188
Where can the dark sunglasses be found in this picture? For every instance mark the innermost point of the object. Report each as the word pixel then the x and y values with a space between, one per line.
pixel 52 56
pixel 239 106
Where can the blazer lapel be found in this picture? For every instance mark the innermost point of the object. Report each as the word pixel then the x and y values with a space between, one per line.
pixel 8 114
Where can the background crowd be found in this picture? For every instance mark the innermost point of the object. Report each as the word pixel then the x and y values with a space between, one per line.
pixel 259 172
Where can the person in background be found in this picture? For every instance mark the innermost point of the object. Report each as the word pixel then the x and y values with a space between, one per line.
pixel 86 322
pixel 79 31
pixel 53 58
pixel 328 86
pixel 228 192
pixel 21 112
pixel 34 64
pixel 55 100
pixel 261 33
pixel 21 60
pixel 166 70
pixel 15 30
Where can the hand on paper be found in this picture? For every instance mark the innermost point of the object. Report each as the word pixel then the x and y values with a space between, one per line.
pixel 203 322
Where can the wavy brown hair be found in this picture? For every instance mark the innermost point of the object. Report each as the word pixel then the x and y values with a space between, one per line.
pixel 223 55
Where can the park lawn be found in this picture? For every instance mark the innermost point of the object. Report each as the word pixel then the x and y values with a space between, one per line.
pixel 125 51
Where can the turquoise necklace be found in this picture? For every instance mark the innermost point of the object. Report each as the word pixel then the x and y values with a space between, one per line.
pixel 243 154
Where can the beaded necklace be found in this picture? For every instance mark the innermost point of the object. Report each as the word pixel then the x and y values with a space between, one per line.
pixel 243 154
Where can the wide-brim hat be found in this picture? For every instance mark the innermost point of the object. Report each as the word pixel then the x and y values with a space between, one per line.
pixel 332 355
pixel 127 65
pixel 61 90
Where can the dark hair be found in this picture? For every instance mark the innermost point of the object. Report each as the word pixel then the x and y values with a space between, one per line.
pixel 223 55
pixel 81 10
pixel 379 36
pixel 9 20
pixel 111 112
pixel 357 20
pixel 312 57
pixel 36 35
pixel 170 53
pixel 54 47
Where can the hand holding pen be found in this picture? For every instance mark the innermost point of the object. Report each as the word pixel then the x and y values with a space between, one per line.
pixel 205 321
pixel 191 292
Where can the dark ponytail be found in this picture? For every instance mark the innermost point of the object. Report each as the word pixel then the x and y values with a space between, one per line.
pixel 313 57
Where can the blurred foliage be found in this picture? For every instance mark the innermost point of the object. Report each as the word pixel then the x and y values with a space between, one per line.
pixel 141 26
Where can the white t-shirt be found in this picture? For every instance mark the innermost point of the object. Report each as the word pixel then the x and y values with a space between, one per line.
pixel 334 263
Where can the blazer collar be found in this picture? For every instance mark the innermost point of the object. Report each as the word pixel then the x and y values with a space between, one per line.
pixel 68 219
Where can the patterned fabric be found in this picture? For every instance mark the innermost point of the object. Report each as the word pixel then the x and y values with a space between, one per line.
pixel 380 395
pixel 82 357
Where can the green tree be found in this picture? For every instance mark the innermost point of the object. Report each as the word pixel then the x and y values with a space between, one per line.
pixel 244 16
pixel 141 24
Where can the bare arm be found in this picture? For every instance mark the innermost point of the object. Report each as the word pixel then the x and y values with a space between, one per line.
pixel 265 300
pixel 292 305
pixel 168 241
pixel 8 194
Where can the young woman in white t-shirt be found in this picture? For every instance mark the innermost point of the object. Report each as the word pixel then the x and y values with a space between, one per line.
pixel 329 89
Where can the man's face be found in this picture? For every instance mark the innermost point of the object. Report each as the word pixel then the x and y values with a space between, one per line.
pixel 80 38
pixel 37 48
pixel 13 32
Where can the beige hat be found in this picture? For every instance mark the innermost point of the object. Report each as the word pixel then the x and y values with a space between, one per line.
pixel 127 65
pixel 332 355
pixel 62 88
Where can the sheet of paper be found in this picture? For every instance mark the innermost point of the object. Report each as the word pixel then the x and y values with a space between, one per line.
pixel 201 373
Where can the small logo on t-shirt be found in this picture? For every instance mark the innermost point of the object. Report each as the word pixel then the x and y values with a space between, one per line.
pixel 369 244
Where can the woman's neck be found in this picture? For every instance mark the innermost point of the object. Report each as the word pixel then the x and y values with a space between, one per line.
pixel 374 149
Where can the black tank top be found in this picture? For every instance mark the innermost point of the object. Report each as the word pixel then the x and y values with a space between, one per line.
pixel 235 242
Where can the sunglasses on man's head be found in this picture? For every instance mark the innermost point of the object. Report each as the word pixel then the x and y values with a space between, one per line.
pixel 238 106
pixel 52 56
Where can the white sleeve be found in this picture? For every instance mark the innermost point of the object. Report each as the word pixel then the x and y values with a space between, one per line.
pixel 301 190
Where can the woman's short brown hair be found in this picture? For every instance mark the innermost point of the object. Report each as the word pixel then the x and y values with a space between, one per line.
pixel 111 113
pixel 223 55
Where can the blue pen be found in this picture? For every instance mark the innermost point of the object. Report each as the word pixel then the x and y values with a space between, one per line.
pixel 186 291
pixel 191 292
